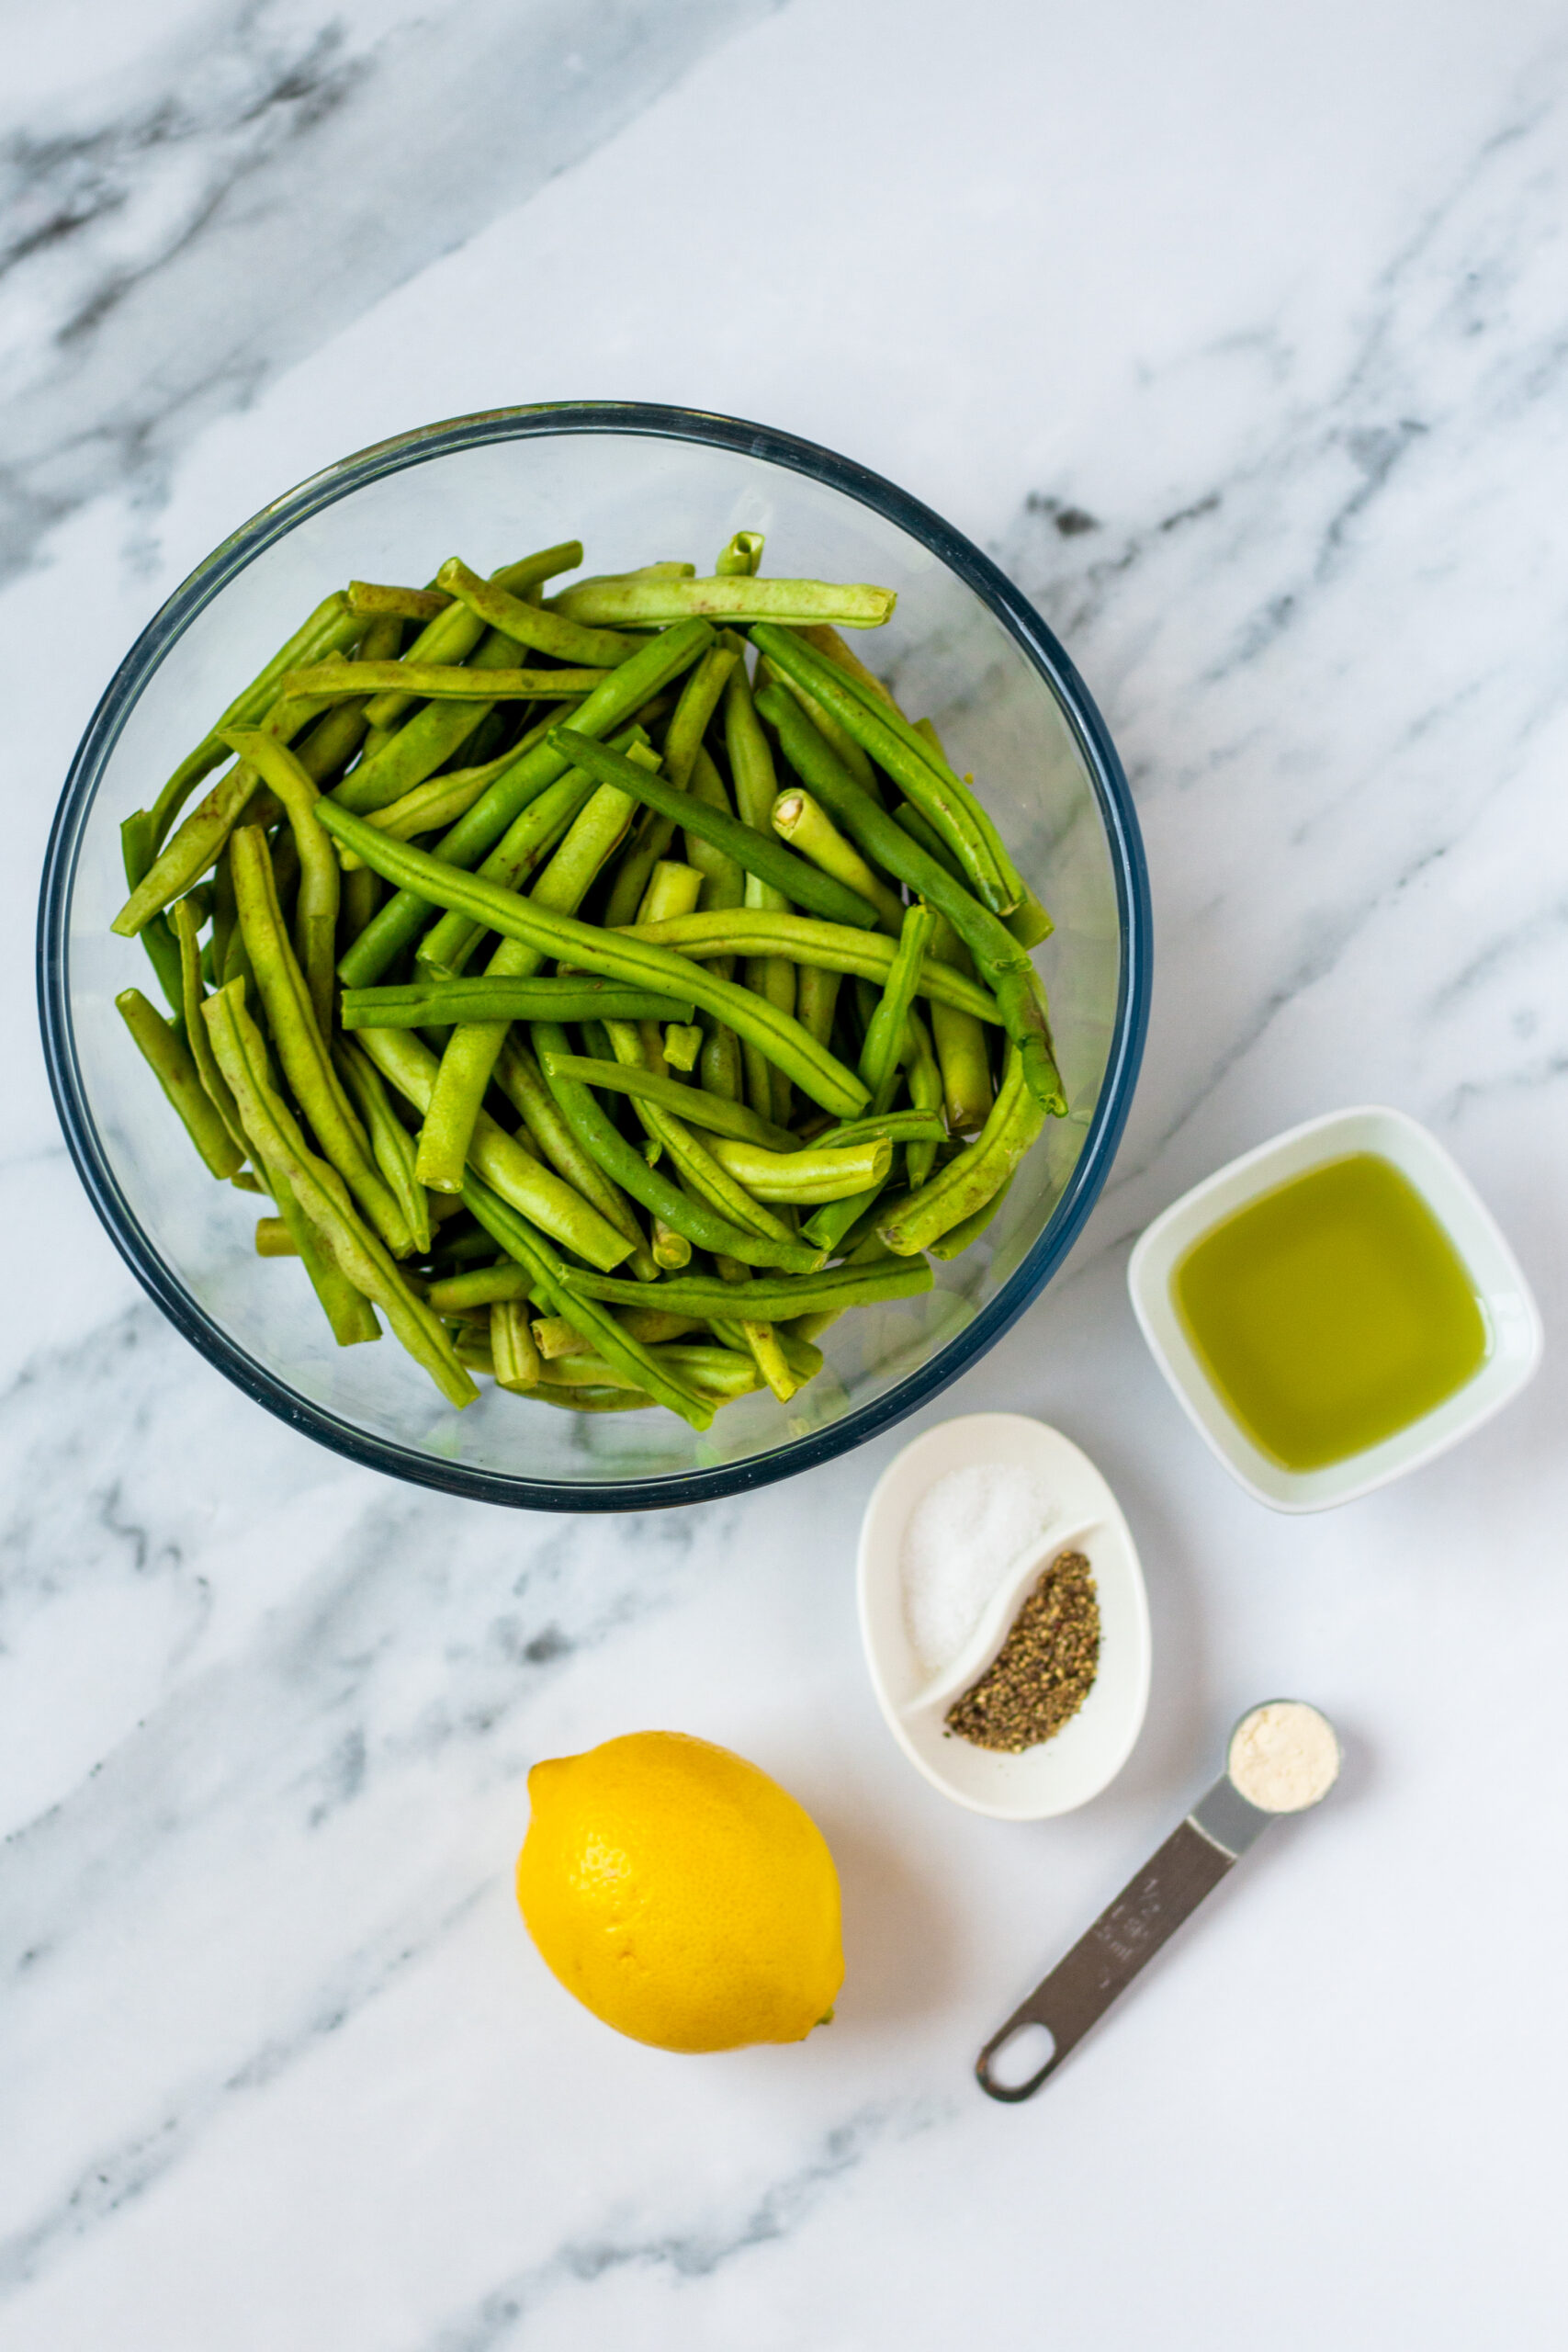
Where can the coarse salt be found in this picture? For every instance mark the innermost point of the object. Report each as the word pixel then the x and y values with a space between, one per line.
pixel 963 1535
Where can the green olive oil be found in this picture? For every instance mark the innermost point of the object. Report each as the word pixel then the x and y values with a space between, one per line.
pixel 1332 1312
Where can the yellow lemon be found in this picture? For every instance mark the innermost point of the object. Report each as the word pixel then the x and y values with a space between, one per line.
pixel 683 1895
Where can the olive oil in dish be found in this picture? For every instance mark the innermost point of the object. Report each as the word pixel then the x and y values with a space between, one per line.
pixel 1332 1312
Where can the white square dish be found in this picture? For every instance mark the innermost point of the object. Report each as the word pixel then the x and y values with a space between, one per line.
pixel 1513 1320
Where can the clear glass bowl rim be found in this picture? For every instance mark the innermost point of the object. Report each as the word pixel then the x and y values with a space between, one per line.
pixel 1022 623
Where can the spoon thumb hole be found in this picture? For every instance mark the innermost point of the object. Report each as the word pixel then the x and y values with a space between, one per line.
pixel 1017 2062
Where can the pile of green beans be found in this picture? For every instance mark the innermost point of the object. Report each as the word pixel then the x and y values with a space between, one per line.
pixel 603 990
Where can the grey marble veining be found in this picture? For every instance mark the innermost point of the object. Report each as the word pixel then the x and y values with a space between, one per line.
pixel 1361 655
pixel 277 2065
pixel 177 234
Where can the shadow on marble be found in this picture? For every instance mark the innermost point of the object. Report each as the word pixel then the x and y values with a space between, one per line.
pixel 900 1954
pixel 1179 1740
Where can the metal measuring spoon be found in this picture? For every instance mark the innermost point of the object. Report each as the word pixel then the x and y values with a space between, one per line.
pixel 1253 1790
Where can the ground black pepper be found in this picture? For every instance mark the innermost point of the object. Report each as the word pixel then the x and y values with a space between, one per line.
pixel 1044 1669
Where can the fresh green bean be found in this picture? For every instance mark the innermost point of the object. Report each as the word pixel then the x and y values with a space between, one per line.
pixel 555 1337
pixel 441 681
pixel 741 556
pixel 719 1063
pixel 770 978
pixel 653 1325
pixel 885 1034
pixel 766 1300
pixel 909 758
pixel 844 744
pixel 879 1068
pixel 482 1287
pixel 225 921
pixel 693 1103
pixel 734 597
pixel 682 1045
pixel 898 1127
pixel 1029 921
pixel 806 941
pixel 966 1183
pixel 199 840
pixel 376 601
pixel 360 1255
pixel 621 1162
pixel 351 1319
pixel 520 1079
pixel 390 1142
pixel 798 821
pixel 192 994
pixel 332 628
pixel 672 1250
pixel 816 1000
pixel 920 828
pixel 923 1078
pixel 683 741
pixel 437 1004
pixel 998 959
pixel 506 1167
pixel 272 1237
pixel 484 827
pixel 956 1239
pixel 513 1353
pixel 316 907
pixel 171 1061
pixel 702 1177
pixel 700 1171
pixel 429 806
pixel 806 1177
pixel 714 1372
pixel 960 1045
pixel 453 633
pixel 329 743
pixel 301 1047
pixel 472 1048
pixel 435 733
pixel 723 882
pixel 672 889
pixel 831 646
pixel 590 1400
pixel 617 956
pixel 548 1275
pixel 761 1340
pixel 156 936
pixel 751 758
pixel 530 625
pixel 760 853
pixel 535 836
pixel 447 946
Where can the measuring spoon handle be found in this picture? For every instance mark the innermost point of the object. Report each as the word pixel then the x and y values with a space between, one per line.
pixel 1126 1935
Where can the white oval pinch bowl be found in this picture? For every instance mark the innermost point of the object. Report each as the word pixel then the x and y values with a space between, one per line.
pixel 1088 1751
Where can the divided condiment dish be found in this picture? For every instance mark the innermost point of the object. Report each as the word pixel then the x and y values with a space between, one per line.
pixel 1085 1754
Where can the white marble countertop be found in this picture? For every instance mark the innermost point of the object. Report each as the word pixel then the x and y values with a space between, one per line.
pixel 1240 336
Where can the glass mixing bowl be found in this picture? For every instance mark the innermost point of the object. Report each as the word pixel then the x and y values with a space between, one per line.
pixel 634 483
